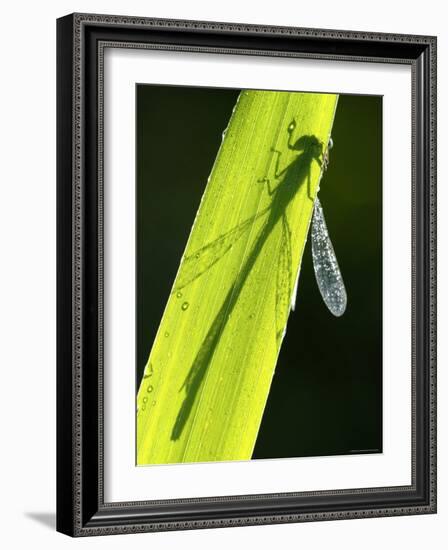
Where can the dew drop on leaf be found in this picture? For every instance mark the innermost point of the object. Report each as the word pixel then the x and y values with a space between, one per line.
pixel 149 371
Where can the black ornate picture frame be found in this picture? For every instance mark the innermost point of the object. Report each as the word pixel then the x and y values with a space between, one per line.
pixel 81 507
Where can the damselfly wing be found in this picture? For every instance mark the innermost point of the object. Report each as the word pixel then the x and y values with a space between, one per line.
pixel 194 265
pixel 326 268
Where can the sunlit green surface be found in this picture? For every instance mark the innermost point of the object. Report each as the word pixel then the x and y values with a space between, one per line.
pixel 210 368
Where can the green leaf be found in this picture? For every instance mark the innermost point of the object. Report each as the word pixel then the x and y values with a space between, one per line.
pixel 209 372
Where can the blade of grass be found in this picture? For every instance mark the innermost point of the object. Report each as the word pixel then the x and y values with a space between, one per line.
pixel 209 372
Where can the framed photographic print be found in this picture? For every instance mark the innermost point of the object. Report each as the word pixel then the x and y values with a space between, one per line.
pixel 246 274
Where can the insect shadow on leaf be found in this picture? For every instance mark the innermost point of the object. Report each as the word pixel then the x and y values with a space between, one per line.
pixel 288 182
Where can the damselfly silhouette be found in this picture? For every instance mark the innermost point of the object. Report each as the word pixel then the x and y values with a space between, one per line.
pixel 326 268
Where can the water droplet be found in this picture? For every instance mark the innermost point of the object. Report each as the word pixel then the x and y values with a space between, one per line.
pixel 224 133
pixel 197 255
pixel 179 294
pixel 149 371
pixel 145 400
pixel 185 306
pixel 167 334
pixel 143 407
pixel 153 403
pixel 149 389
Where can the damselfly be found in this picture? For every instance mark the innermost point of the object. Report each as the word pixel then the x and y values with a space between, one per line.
pixel 326 268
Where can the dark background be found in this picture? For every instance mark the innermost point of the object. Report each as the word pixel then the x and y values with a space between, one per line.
pixel 326 395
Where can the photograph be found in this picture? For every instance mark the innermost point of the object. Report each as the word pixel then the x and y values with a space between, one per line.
pixel 258 274
pixel 246 274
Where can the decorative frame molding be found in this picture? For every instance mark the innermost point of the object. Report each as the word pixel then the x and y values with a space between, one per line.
pixel 81 510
